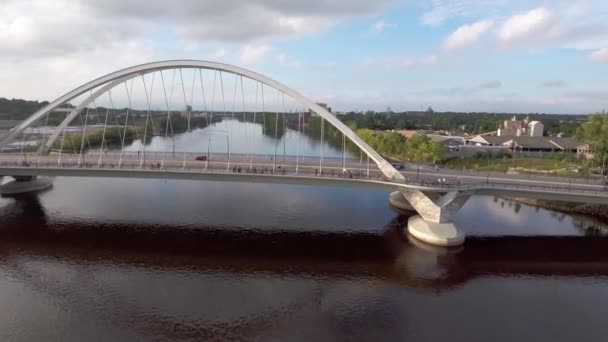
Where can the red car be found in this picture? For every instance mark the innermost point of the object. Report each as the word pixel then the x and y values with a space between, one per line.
pixel 201 158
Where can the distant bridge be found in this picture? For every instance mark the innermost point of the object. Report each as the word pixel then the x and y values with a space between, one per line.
pixel 435 202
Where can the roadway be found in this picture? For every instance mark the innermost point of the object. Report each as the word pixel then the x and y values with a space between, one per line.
pixel 306 166
pixel 218 168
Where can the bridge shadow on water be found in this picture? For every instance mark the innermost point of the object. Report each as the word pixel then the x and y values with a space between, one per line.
pixel 390 256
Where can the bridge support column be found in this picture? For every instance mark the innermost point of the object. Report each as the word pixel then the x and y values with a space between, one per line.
pixel 25 184
pixel 433 224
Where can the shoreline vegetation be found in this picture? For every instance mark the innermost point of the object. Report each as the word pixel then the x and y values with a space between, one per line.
pixel 376 128
pixel 597 211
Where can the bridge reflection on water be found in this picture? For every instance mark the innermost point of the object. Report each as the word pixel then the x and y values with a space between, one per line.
pixel 390 255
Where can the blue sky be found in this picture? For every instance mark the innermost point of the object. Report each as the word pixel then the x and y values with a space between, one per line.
pixel 472 55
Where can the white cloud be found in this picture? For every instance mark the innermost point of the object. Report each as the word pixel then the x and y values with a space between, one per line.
pixel 526 26
pixel 535 25
pixel 399 62
pixel 466 35
pixel 492 84
pixel 382 25
pixel 286 61
pixel 443 10
pixel 552 84
pixel 252 54
pixel 436 16
pixel 42 27
pixel 600 56
pixel 542 27
pixel 219 53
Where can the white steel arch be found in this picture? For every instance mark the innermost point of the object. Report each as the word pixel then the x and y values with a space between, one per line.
pixel 110 80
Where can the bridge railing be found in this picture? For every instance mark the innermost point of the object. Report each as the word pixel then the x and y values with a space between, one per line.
pixel 177 164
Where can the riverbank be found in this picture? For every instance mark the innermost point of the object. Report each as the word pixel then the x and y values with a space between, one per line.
pixel 598 211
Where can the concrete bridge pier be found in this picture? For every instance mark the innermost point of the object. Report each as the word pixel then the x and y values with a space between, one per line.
pixel 25 184
pixel 433 224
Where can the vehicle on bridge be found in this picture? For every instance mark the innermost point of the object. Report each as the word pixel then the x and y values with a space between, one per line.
pixel 201 158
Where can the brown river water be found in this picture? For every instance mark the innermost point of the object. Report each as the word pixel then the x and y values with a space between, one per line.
pixel 147 260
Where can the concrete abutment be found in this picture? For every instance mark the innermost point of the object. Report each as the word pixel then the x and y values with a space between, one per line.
pixel 433 224
pixel 25 184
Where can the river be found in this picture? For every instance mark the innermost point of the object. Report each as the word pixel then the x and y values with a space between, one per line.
pixel 240 138
pixel 157 260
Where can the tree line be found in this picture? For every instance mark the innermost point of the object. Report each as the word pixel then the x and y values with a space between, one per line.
pixel 594 132
pixel 458 122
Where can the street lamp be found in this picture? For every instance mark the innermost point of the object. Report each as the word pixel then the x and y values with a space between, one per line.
pixel 208 153
pixel 209 149
pixel 228 144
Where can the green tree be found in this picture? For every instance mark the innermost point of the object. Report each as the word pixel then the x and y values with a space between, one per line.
pixel 420 148
pixel 595 133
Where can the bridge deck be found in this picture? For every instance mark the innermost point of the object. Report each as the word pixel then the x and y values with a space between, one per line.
pixel 285 173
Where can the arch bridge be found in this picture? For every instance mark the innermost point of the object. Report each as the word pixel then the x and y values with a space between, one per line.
pixel 435 203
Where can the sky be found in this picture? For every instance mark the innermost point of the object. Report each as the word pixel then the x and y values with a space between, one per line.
pixel 453 55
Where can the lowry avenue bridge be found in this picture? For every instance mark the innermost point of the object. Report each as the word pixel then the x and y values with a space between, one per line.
pixel 62 152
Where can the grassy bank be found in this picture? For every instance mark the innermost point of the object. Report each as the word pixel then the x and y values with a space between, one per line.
pixel 597 211
pixel 113 138
pixel 558 164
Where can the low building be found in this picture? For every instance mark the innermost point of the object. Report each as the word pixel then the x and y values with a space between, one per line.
pixel 520 128
pixel 536 129
pixel 527 143
pixel 451 142
pixel 408 132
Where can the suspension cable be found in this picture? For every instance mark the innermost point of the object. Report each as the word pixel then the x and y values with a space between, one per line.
pixel 213 97
pixel 360 158
pixel 321 151
pixel 231 124
pixel 200 73
pixel 263 110
pixel 143 154
pixel 225 112
pixel 162 79
pixel 343 152
pixel 256 108
pixel 46 124
pixel 124 134
pixel 189 109
pixel 284 130
pixel 117 125
pixel 246 124
pixel 211 117
pixel 276 132
pixel 84 129
pixel 264 131
pixel 154 133
pixel 22 147
pixel 298 141
pixel 129 92
pixel 62 142
pixel 103 136
pixel 256 102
